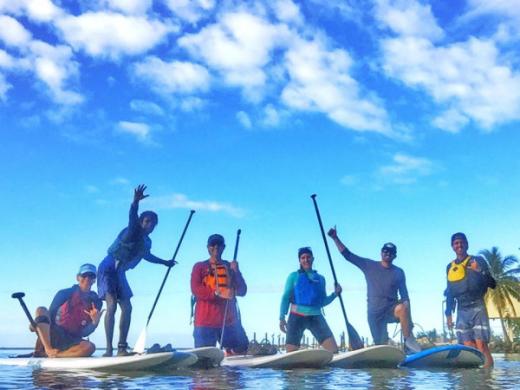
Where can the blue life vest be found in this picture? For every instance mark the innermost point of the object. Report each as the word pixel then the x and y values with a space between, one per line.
pixel 129 251
pixel 308 289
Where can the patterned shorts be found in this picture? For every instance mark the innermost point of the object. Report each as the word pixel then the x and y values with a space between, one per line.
pixel 472 324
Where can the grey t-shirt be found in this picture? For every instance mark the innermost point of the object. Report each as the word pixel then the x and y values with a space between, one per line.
pixel 382 283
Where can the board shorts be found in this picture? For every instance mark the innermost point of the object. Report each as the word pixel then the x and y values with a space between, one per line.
pixel 472 324
pixel 297 324
pixel 112 281
pixel 234 337
pixel 63 340
pixel 378 324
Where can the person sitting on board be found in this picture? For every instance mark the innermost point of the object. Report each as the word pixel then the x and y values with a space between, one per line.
pixel 215 283
pixel 129 248
pixel 468 279
pixel 384 281
pixel 305 294
pixel 74 313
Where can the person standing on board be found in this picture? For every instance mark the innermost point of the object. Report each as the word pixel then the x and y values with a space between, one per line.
pixel 73 314
pixel 384 281
pixel 215 283
pixel 305 295
pixel 129 248
pixel 468 280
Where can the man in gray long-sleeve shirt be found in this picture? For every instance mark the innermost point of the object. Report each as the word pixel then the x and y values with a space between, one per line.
pixel 384 281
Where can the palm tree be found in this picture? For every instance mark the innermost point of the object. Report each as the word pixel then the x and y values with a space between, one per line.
pixel 506 272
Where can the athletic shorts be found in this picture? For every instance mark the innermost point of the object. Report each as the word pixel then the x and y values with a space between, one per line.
pixel 296 325
pixel 61 339
pixel 378 324
pixel 234 337
pixel 472 324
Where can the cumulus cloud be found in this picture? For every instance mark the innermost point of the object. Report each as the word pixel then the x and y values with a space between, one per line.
pixel 146 107
pixel 130 7
pixel 406 169
pixel 320 81
pixel 4 87
pixel 287 11
pixel 109 34
pixel 192 103
pixel 190 10
pixel 239 45
pixel 244 119
pixel 174 76
pixel 12 33
pixel 271 116
pixel 181 201
pixel 37 10
pixel 139 130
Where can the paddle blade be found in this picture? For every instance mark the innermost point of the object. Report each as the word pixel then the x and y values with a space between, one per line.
pixel 141 342
pixel 354 340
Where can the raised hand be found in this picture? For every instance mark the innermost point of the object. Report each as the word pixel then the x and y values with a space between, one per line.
pixel 234 265
pixel 333 233
pixel 139 193
pixel 94 314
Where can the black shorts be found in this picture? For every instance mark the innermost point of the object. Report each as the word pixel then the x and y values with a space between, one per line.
pixel 62 340
pixel 378 321
pixel 296 325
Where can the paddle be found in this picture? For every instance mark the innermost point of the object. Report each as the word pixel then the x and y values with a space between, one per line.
pixel 141 341
pixel 19 296
pixel 354 340
pixel 227 301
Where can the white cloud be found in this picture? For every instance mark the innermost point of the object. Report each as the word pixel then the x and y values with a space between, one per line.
pixel 4 87
pixel 37 10
pixel 244 119
pixel 190 10
pixel 140 130
pixel 406 169
pixel 12 33
pixel 238 46
pixel 146 107
pixel 408 18
pixel 469 77
pixel 130 7
pixel 54 66
pixel 287 11
pixel 6 60
pixel 111 34
pixel 451 121
pixel 271 116
pixel 320 81
pixel 506 8
pixel 192 103
pixel 173 77
pixel 181 201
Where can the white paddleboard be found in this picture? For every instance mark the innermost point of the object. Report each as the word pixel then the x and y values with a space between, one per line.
pixel 446 356
pixel 207 356
pixel 115 363
pixel 377 356
pixel 304 358
pixel 180 359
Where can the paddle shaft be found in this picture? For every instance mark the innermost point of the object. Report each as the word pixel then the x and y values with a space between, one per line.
pixel 235 253
pixel 169 268
pixel 20 296
pixel 354 339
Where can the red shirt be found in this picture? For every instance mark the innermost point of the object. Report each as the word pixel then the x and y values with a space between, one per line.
pixel 209 309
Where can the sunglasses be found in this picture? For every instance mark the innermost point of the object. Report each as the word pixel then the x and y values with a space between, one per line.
pixel 89 275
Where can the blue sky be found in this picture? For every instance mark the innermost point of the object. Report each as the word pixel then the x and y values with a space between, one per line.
pixel 401 115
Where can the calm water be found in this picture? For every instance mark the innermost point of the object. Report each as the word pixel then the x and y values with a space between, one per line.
pixel 505 375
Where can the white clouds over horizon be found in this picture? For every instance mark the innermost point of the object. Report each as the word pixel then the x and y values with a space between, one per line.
pixel 141 131
pixel 406 169
pixel 181 201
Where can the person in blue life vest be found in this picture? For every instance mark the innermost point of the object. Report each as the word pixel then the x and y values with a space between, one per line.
pixel 305 295
pixel 73 314
pixel 129 248
pixel 468 279
pixel 384 281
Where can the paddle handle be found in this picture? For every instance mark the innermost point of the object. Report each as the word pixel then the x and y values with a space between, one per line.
pixel 19 296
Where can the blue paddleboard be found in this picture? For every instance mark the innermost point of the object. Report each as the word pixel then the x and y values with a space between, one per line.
pixel 447 356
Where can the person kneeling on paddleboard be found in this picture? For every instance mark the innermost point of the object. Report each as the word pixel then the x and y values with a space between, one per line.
pixel 215 284
pixel 130 247
pixel 306 295
pixel 74 313
pixel 384 281
pixel 468 281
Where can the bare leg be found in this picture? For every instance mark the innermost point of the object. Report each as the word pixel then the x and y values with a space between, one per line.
pixel 124 322
pixel 109 322
pixel 83 349
pixel 482 346
pixel 291 347
pixel 402 312
pixel 44 332
pixel 330 345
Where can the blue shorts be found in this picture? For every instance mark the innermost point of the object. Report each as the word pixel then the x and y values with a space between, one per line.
pixel 234 337
pixel 112 281
pixel 296 325
pixel 378 324
pixel 472 324
pixel 63 340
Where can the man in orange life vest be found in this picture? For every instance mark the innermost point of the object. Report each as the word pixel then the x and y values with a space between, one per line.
pixel 468 280
pixel 215 283
pixel 74 313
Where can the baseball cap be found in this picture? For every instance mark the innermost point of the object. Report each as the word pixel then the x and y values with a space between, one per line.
pixel 87 269
pixel 389 247
pixel 305 249
pixel 216 239
pixel 458 236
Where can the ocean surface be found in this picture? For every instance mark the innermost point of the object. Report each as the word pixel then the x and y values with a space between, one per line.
pixel 505 375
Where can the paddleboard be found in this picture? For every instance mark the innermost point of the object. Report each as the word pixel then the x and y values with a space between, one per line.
pixel 304 358
pixel 115 363
pixel 446 356
pixel 207 356
pixel 377 356
pixel 180 359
